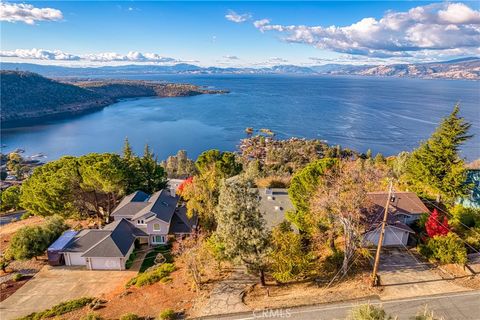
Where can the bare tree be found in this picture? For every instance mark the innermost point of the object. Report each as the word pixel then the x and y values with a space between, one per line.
pixel 341 197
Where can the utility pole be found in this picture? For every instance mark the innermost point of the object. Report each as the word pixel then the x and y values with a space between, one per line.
pixel 380 238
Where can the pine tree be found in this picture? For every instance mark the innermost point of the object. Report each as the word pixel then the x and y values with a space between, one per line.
pixel 127 150
pixel 435 167
pixel 241 227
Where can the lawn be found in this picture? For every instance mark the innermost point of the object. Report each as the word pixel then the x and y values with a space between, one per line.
pixel 150 257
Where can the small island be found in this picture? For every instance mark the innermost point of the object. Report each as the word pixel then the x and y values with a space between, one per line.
pixel 28 97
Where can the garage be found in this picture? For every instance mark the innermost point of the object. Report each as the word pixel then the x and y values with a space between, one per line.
pixel 75 259
pixel 106 264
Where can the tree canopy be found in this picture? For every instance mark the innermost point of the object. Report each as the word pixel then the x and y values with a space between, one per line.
pixel 302 188
pixel 435 168
pixel 241 227
pixel 89 184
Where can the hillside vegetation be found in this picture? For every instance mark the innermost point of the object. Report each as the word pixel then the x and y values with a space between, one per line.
pixel 28 96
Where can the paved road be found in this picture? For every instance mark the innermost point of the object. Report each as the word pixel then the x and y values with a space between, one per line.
pixel 7 218
pixel 456 306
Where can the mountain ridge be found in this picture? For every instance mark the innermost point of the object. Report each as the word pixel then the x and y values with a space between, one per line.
pixel 463 68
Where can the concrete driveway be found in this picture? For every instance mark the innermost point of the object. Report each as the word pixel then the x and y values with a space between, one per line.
pixel 52 285
pixel 404 274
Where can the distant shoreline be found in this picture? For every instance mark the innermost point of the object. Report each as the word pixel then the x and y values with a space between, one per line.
pixel 29 99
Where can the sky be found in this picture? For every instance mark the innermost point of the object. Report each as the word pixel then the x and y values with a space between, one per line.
pixel 237 34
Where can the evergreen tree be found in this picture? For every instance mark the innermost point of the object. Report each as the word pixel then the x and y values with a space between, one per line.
pixel 435 167
pixel 152 173
pixel 302 187
pixel 127 151
pixel 241 227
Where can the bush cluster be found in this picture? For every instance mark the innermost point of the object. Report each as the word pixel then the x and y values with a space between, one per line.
pixel 129 316
pixel 29 242
pixel 59 309
pixel 445 249
pixel 157 274
pixel 167 314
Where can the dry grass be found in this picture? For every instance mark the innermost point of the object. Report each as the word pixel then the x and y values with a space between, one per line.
pixel 290 295
pixel 274 182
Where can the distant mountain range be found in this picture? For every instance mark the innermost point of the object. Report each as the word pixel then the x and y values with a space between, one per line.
pixel 465 68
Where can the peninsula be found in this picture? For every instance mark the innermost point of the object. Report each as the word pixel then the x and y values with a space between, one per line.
pixel 29 97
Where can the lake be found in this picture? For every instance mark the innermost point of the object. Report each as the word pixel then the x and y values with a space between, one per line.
pixel 387 115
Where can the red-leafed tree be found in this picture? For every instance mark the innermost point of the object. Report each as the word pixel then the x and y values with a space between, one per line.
pixel 436 225
pixel 181 187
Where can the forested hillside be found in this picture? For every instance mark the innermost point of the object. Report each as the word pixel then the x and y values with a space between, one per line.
pixel 29 95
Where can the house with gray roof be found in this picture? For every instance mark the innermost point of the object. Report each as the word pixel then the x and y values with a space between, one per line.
pixel 138 218
pixel 403 210
pixel 274 204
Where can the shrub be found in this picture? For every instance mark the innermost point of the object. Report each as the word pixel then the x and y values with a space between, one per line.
pixel 29 242
pixel 92 316
pixel 59 309
pixel 368 312
pixel 167 314
pixel 17 277
pixel 426 315
pixel 129 316
pixel 130 260
pixel 464 218
pixel 445 249
pixel 26 215
pixel 150 277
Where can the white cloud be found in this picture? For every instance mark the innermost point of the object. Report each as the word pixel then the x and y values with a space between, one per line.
pixel 228 57
pixel 437 27
pixel 259 24
pixel 19 12
pixel 41 54
pixel 277 60
pixel 237 18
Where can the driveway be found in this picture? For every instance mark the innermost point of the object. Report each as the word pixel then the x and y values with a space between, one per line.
pixel 52 285
pixel 404 274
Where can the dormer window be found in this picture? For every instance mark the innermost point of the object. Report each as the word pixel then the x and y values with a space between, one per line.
pixel 140 221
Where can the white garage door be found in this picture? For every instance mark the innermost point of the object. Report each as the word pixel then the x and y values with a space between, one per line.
pixel 105 263
pixel 76 259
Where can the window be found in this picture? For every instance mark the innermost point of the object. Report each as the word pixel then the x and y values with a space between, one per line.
pixel 140 222
pixel 156 227
pixel 158 239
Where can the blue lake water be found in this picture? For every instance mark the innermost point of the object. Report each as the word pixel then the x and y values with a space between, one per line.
pixel 387 115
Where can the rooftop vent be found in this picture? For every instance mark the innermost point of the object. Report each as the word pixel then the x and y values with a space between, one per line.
pixel 271 198
pixel 278 208
pixel 268 191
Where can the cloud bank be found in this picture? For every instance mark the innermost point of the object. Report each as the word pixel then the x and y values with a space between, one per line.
pixel 435 27
pixel 237 18
pixel 26 13
pixel 41 54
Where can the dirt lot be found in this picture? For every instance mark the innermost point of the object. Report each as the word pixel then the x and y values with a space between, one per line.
pixel 9 287
pixel 148 300
pixel 308 293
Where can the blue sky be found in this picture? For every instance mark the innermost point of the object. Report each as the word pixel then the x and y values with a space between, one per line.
pixel 238 33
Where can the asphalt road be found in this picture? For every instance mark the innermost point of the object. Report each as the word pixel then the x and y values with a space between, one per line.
pixel 7 218
pixel 456 306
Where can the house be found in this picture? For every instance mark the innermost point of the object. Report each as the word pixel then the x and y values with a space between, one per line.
pixel 274 204
pixel 139 218
pixel 157 215
pixel 403 210
pixel 473 199
pixel 107 248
